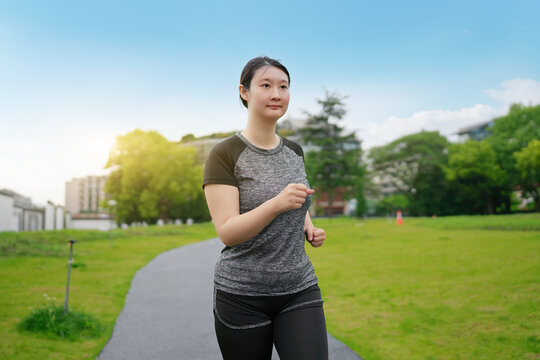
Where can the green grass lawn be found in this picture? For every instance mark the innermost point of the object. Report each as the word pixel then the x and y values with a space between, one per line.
pixel 35 263
pixel 445 288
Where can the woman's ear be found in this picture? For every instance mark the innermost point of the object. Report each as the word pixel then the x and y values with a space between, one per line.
pixel 243 92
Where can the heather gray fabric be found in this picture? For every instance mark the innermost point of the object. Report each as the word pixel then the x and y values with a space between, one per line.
pixel 274 261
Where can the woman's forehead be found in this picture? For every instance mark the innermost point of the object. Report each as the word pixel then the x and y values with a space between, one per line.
pixel 270 73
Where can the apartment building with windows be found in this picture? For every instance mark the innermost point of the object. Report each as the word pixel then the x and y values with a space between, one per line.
pixel 84 195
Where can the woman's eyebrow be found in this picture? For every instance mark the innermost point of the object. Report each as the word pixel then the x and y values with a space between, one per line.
pixel 266 79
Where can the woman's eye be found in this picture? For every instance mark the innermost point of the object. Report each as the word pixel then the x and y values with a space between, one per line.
pixel 284 87
pixel 266 85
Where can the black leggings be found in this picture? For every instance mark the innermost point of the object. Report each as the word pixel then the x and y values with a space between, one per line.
pixel 247 326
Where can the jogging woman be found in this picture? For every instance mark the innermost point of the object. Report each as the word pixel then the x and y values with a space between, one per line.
pixel 265 288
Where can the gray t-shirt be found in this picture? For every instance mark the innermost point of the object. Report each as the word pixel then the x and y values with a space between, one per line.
pixel 274 261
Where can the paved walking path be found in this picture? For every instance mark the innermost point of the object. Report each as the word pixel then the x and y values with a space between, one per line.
pixel 168 310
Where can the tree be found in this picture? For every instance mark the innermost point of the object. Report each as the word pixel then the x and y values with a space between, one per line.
pixel 391 204
pixel 510 134
pixel 528 164
pixel 335 160
pixel 152 178
pixel 414 165
pixel 474 177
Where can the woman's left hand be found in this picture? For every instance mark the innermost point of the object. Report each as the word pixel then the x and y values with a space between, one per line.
pixel 315 236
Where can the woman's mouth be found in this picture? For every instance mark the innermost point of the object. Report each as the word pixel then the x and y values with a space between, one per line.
pixel 274 106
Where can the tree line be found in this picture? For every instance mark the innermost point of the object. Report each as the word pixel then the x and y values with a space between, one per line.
pixel 153 178
pixel 491 176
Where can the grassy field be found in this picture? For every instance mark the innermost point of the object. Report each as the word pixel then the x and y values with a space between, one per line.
pixel 444 288
pixel 35 263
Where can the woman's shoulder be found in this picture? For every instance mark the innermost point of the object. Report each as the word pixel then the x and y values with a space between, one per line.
pixel 227 150
pixel 293 146
pixel 229 144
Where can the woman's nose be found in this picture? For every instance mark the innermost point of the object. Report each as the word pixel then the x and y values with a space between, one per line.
pixel 275 93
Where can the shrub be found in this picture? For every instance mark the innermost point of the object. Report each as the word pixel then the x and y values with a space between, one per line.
pixel 53 323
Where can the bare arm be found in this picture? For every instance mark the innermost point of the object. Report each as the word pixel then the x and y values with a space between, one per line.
pixel 234 228
pixel 308 220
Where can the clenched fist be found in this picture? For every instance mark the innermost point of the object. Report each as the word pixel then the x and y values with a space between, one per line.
pixel 315 236
pixel 292 197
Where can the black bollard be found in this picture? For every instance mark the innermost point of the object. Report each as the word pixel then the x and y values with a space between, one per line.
pixel 71 242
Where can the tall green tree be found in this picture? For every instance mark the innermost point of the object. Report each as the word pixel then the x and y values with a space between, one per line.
pixel 528 165
pixel 152 178
pixel 414 164
pixel 335 160
pixel 474 177
pixel 510 134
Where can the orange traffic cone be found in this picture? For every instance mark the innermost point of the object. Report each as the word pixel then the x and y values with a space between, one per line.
pixel 399 218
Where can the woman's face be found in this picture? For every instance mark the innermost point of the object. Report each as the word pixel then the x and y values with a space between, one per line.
pixel 268 95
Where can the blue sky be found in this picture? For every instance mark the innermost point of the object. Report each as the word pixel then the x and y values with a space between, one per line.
pixel 75 74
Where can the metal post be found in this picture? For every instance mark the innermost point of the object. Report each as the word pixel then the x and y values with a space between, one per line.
pixel 71 242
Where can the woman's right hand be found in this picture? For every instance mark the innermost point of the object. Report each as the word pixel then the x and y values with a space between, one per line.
pixel 292 197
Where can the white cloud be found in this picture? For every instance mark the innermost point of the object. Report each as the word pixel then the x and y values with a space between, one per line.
pixel 525 91
pixel 446 121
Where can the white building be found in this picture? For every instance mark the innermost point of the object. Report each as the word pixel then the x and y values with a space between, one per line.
pixel 476 132
pixel 101 221
pixel 83 203
pixel 8 215
pixel 18 213
pixel 83 195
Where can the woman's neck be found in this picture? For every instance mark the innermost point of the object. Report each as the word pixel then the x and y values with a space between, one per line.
pixel 261 135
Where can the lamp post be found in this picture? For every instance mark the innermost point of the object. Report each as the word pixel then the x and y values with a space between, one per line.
pixel 71 242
